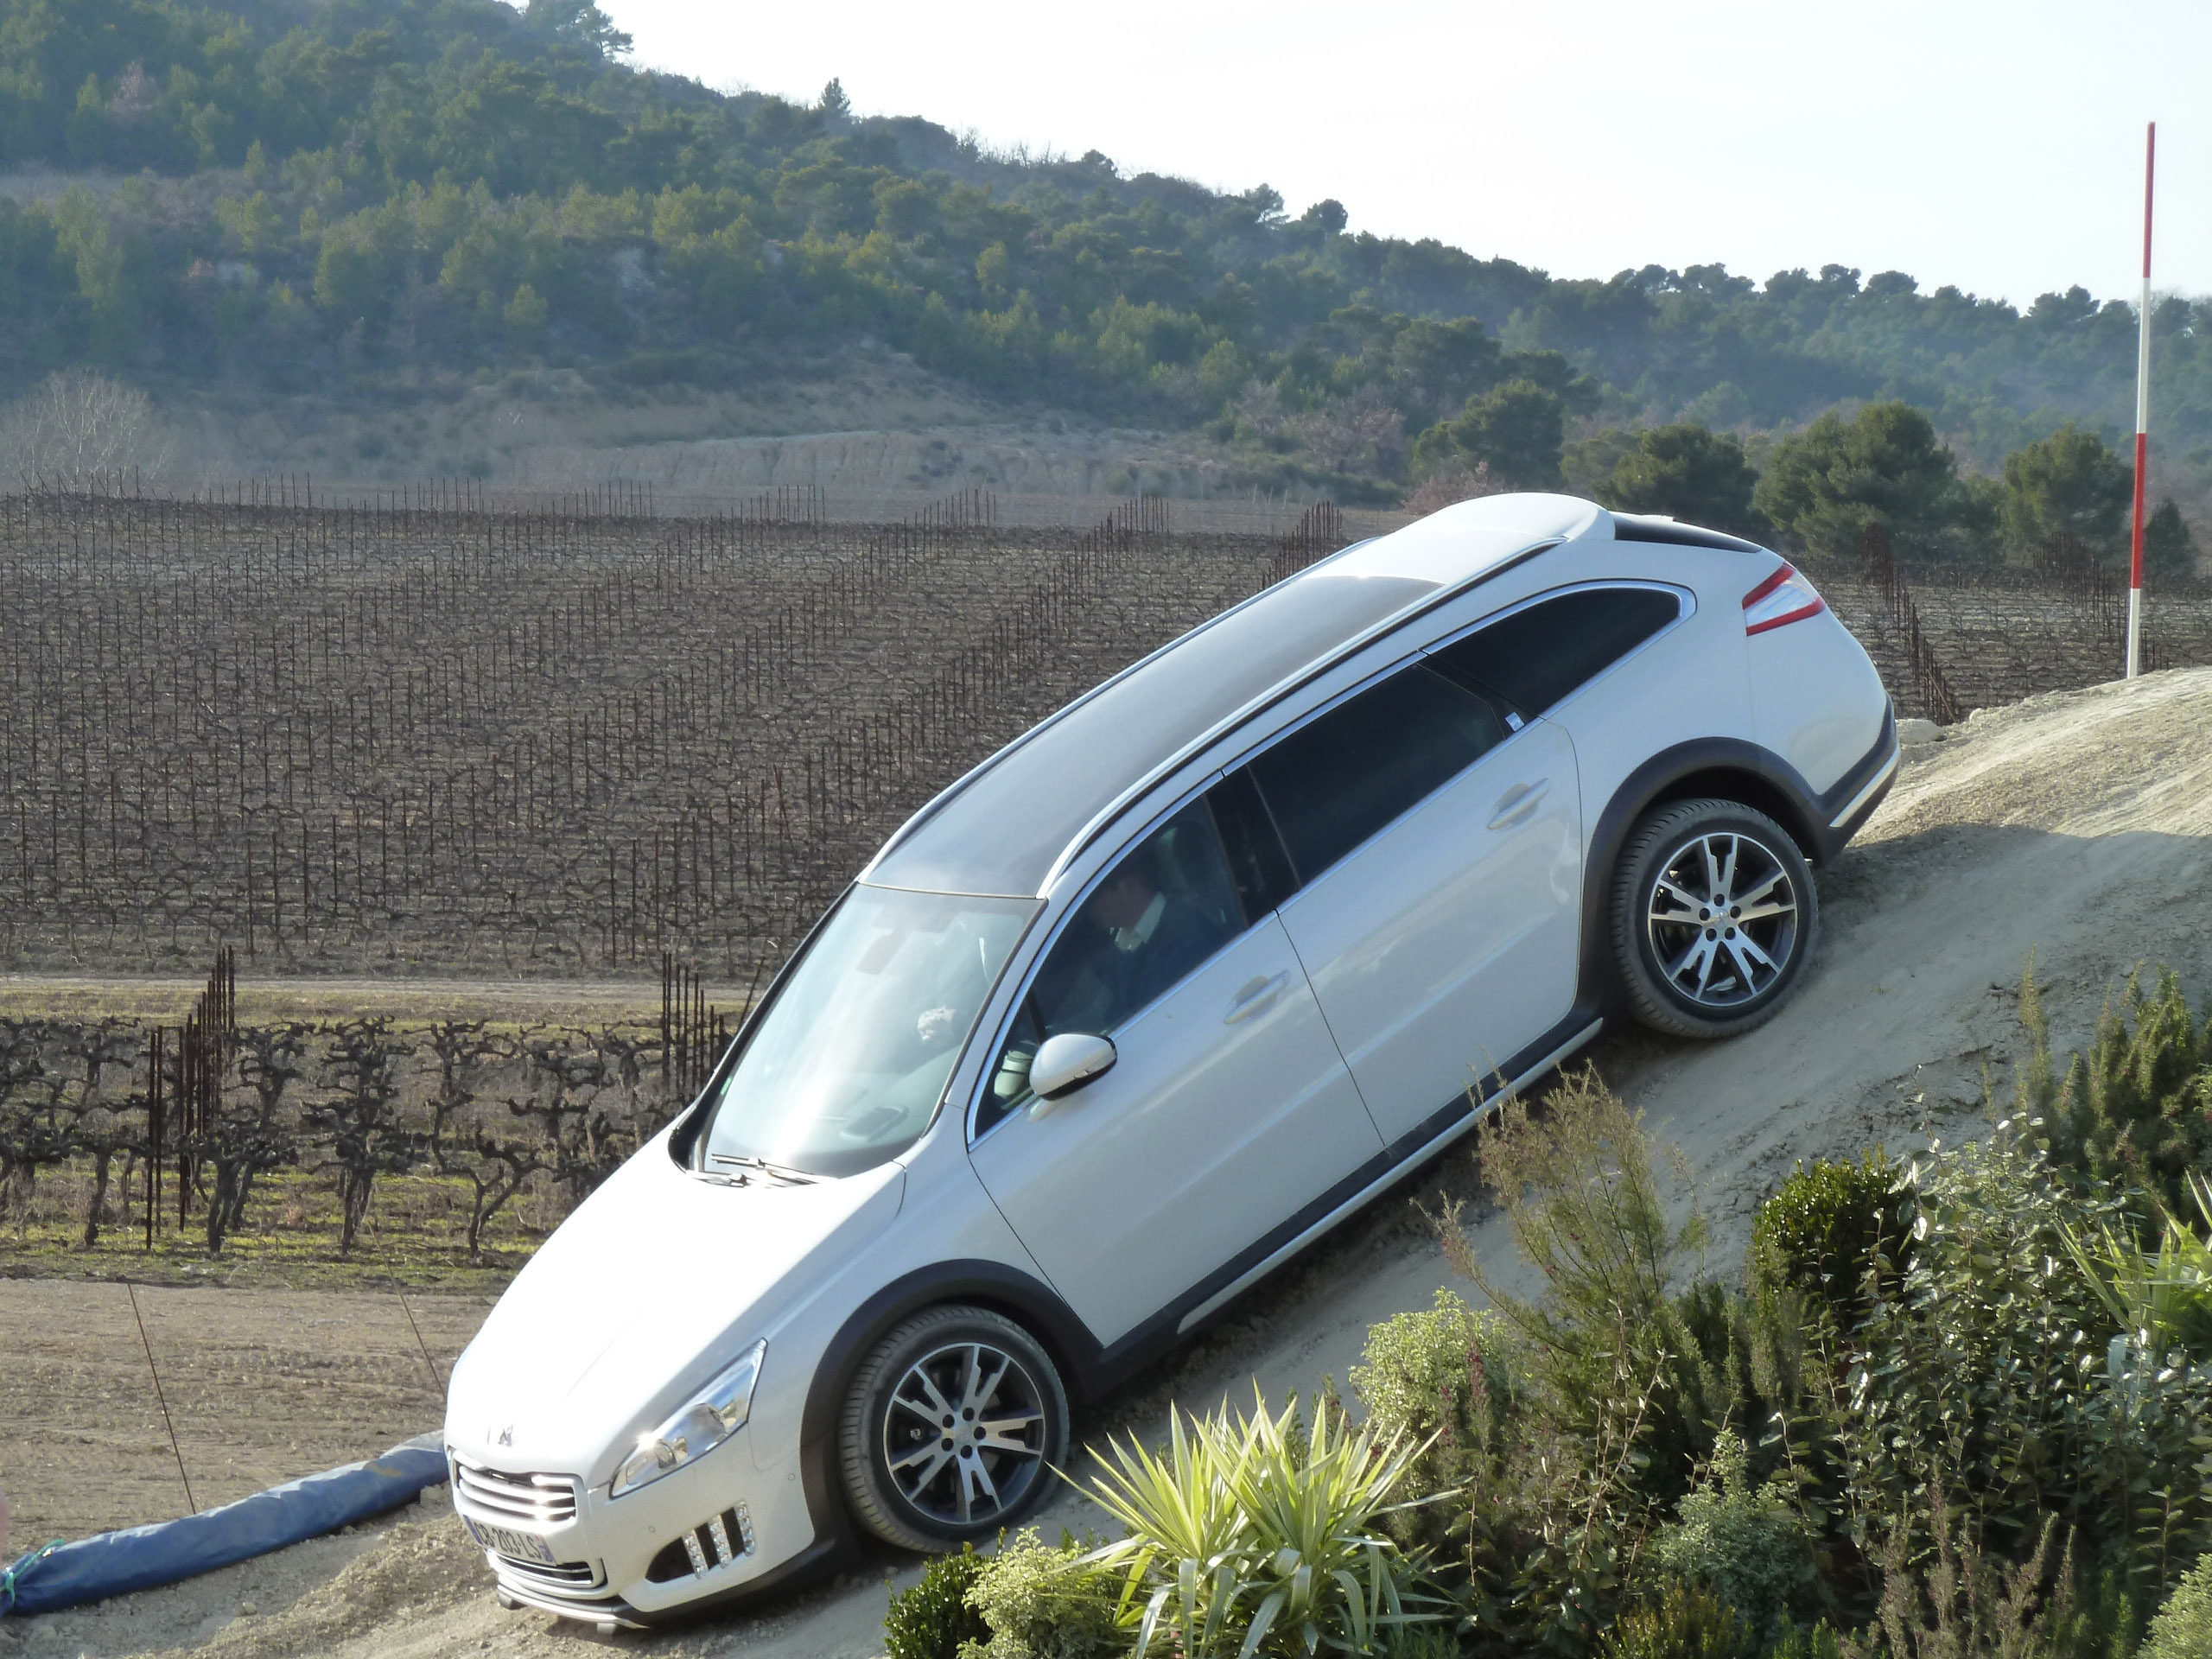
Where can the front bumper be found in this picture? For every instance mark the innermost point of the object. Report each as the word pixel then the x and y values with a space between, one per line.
pixel 713 1528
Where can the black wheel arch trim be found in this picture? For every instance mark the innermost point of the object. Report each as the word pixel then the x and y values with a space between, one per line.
pixel 1761 779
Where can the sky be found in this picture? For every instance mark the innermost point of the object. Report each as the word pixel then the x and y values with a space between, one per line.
pixel 1997 147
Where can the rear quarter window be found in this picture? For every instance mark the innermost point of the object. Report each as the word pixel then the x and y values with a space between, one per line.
pixel 1538 656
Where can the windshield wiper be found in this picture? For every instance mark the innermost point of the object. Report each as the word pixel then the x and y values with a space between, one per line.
pixel 774 1172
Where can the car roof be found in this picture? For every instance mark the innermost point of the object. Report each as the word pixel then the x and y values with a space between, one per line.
pixel 1006 827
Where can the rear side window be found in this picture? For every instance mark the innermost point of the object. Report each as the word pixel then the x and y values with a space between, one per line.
pixel 1337 780
pixel 1535 657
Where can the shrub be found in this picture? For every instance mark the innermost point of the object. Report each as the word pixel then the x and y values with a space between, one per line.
pixel 933 1619
pixel 1042 1603
pixel 1824 1231
pixel 1955 1602
pixel 1433 1640
pixel 1439 1380
pixel 1412 1374
pixel 1249 1538
pixel 2161 1295
pixel 1684 1621
pixel 1746 1543
pixel 1814 1641
pixel 1612 1341
pixel 2183 1629
pixel 2135 1107
pixel 1998 1368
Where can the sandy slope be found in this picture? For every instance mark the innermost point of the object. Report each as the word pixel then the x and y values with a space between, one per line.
pixel 2078 825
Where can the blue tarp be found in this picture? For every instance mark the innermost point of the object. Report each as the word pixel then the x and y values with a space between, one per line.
pixel 142 1558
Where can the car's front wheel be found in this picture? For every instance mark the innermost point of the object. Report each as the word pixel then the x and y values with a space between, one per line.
pixel 1713 918
pixel 952 1429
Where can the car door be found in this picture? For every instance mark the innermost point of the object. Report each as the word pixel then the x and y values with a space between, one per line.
pixel 1228 1111
pixel 1435 831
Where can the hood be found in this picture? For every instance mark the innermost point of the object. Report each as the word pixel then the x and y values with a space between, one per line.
pixel 659 1280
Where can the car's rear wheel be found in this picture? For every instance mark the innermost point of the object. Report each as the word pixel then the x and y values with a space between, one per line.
pixel 1714 918
pixel 952 1429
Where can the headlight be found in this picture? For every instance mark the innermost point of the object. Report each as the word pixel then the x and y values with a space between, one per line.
pixel 716 1413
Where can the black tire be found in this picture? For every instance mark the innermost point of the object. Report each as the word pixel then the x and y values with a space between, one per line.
pixel 932 1483
pixel 1685 970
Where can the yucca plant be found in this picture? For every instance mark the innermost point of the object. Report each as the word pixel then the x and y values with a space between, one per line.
pixel 1248 1537
pixel 2163 1298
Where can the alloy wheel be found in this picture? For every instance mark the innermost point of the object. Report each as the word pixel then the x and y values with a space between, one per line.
pixel 1721 916
pixel 964 1434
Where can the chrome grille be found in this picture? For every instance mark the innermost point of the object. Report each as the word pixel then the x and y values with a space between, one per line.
pixel 569 1578
pixel 529 1500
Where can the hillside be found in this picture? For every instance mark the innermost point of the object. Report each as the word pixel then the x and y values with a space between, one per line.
pixel 2072 826
pixel 356 211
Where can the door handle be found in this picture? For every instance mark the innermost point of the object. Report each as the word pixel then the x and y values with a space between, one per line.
pixel 1518 803
pixel 1257 997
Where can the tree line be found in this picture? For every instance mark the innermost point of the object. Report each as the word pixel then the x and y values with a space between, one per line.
pixel 364 194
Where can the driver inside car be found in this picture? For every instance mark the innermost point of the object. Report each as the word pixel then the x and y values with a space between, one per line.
pixel 1135 937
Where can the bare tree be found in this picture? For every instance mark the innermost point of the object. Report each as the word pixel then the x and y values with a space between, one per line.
pixel 361 1118
pixel 79 428
pixel 96 1127
pixel 35 1118
pixel 242 1144
pixel 495 1165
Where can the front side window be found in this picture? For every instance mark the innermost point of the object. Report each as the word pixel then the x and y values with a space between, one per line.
pixel 1338 779
pixel 1168 905
pixel 851 1060
pixel 1537 656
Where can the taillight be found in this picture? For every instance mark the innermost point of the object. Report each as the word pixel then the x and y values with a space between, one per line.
pixel 1782 598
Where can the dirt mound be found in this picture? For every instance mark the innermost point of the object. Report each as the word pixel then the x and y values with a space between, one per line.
pixel 2078 826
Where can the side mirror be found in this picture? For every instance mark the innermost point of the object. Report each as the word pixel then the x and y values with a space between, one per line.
pixel 1068 1061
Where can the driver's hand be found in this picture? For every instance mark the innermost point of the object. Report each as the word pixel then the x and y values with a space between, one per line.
pixel 935 1025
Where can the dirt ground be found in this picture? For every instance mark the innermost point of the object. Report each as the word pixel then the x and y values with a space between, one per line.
pixel 262 1386
pixel 2078 826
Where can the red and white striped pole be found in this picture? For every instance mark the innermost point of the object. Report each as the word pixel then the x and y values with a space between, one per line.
pixel 2142 418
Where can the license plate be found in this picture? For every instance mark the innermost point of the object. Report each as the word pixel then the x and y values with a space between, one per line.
pixel 522 1546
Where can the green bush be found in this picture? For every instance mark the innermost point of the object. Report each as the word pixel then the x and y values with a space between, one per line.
pixel 1042 1603
pixel 1433 1640
pixel 1957 1601
pixel 1826 1230
pixel 933 1620
pixel 1617 1350
pixel 1684 1621
pixel 1441 1380
pixel 1999 1370
pixel 1413 1375
pixel 1814 1641
pixel 2183 1629
pixel 1746 1543
pixel 2135 1107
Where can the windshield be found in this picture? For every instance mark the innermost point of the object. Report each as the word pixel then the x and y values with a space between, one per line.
pixel 850 1059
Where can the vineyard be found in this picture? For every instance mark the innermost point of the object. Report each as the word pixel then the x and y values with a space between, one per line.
pixel 437 734
pixel 429 1146
pixel 1952 637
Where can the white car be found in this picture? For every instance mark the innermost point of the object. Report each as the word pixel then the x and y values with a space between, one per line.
pixel 1142 1006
